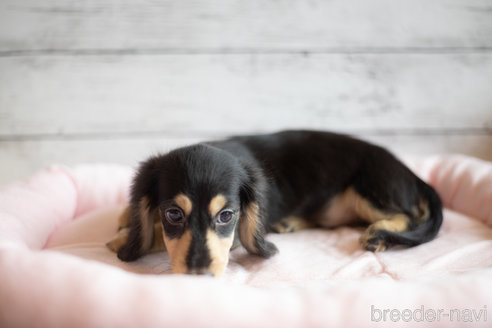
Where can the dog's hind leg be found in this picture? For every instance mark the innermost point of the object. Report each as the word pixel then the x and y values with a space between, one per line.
pixel 375 237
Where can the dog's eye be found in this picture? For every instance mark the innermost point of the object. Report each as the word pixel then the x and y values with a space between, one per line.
pixel 225 216
pixel 174 215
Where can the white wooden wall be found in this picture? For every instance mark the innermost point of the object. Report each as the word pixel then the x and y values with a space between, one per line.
pixel 117 80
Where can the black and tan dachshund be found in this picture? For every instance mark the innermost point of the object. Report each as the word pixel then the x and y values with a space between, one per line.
pixel 200 201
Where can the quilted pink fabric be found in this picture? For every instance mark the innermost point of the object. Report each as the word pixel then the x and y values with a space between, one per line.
pixel 56 272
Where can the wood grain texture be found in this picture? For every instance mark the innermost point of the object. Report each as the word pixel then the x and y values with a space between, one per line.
pixel 209 95
pixel 117 80
pixel 20 158
pixel 236 25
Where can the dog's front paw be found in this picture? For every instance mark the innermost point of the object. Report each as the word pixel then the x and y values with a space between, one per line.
pixel 291 224
pixel 127 253
pixel 118 240
pixel 120 245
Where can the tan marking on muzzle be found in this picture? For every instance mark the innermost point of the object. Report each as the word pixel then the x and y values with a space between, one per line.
pixel 219 252
pixel 184 202
pixel 216 204
pixel 177 249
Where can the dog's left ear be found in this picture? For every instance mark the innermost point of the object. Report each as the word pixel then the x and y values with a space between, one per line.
pixel 251 229
pixel 140 228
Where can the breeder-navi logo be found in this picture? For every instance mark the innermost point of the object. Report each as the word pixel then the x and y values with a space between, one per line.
pixel 429 315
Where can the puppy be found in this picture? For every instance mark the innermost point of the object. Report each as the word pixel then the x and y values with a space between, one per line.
pixel 200 201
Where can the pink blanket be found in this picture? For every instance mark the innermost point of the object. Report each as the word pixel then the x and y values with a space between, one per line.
pixel 56 272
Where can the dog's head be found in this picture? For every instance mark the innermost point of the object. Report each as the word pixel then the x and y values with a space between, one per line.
pixel 204 197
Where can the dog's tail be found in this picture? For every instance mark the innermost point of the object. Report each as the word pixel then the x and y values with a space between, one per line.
pixel 428 218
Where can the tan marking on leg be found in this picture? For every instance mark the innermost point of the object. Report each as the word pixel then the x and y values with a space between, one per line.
pixel 364 209
pixel 216 204
pixel 369 240
pixel 178 250
pixel 184 202
pixel 147 225
pixel 292 224
pixel 248 227
pixel 350 204
pixel 339 210
pixel 118 240
pixel 347 207
pixel 396 223
pixel 219 249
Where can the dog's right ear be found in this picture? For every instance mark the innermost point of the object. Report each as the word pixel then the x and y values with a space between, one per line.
pixel 143 199
pixel 251 229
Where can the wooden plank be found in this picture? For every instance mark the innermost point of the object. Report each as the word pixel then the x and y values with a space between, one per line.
pixel 236 25
pixel 226 94
pixel 22 158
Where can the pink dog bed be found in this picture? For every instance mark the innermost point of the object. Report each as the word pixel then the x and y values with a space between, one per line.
pixel 56 272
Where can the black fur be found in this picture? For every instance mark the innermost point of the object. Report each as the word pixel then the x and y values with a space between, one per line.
pixel 290 173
